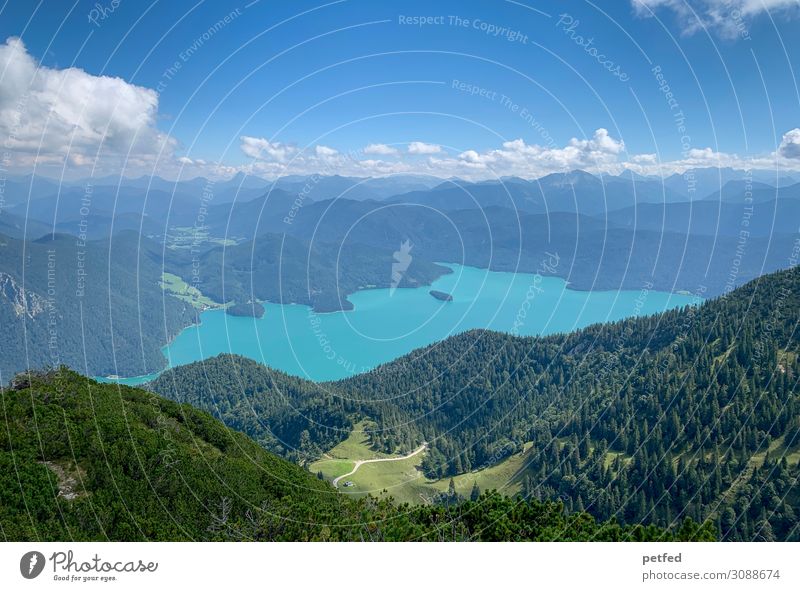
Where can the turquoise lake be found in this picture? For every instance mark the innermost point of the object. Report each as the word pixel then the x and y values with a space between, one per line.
pixel 386 324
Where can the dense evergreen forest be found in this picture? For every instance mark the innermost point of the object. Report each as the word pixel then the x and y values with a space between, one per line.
pixel 95 306
pixel 289 416
pixel 284 269
pixel 99 307
pixel 693 412
pixel 81 461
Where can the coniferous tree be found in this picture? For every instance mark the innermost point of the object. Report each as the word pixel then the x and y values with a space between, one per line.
pixel 476 492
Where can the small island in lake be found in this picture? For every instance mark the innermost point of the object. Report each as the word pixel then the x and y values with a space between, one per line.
pixel 440 295
pixel 253 309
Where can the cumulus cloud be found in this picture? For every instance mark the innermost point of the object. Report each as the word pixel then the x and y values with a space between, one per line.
pixel 517 157
pixel 785 157
pixel 273 159
pixel 381 150
pixel 423 148
pixel 728 18
pixel 260 148
pixel 644 158
pixel 325 151
pixel 49 114
pixel 470 157
pixel 598 153
pixel 790 144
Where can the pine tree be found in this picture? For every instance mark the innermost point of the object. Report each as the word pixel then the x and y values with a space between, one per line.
pixel 451 490
pixel 476 492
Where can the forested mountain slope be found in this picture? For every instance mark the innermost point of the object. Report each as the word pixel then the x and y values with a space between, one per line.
pixel 86 461
pixel 283 269
pixel 693 411
pixel 96 306
pixel 290 416
pixel 690 412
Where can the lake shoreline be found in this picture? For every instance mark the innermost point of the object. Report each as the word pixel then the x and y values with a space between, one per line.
pixel 385 324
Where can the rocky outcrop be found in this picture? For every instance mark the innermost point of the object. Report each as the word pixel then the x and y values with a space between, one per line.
pixel 23 302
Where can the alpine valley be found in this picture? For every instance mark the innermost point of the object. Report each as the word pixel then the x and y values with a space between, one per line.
pixel 575 357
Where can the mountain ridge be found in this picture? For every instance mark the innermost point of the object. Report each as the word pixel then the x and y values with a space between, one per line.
pixel 84 461
pixel 633 406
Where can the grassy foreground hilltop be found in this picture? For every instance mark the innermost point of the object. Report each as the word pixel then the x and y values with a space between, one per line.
pixel 80 460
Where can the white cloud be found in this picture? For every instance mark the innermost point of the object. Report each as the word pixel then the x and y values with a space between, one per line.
pixel 644 158
pixel 324 151
pixel 43 109
pixel 786 157
pixel 728 18
pixel 381 150
pixel 601 143
pixel 260 148
pixel 790 144
pixel 470 156
pixel 529 160
pixel 423 148
pixel 49 115
pixel 598 153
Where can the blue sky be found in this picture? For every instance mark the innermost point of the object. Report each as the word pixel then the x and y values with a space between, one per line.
pixel 293 76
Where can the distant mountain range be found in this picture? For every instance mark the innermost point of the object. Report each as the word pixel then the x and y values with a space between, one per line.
pixel 303 240
pixel 693 184
pixel 691 413
pixel 678 246
pixel 245 206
